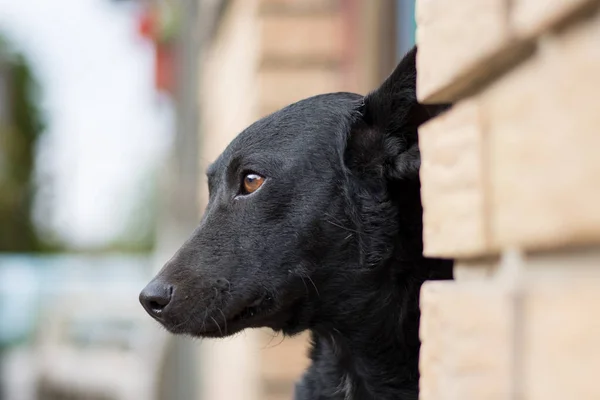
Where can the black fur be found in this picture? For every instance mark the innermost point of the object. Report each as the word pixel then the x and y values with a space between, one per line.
pixel 330 243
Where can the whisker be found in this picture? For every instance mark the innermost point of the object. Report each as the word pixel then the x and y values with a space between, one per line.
pixel 224 319
pixel 341 226
pixel 315 286
pixel 179 325
pixel 305 287
pixel 270 340
pixel 333 217
pixel 273 334
pixel 218 326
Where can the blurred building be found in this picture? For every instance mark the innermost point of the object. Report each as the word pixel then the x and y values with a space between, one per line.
pixel 259 56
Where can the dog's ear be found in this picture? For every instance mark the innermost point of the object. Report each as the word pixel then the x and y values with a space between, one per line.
pixel 383 139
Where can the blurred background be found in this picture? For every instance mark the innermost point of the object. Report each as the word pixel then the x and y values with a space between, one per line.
pixel 110 110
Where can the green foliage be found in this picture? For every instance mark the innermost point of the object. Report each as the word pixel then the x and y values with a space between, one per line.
pixel 20 128
pixel 21 125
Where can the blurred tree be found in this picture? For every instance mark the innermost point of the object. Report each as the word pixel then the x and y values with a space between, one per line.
pixel 20 126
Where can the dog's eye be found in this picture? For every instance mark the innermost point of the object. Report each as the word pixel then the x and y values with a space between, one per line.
pixel 252 182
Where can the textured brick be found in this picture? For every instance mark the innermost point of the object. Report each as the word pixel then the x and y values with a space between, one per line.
pixel 561 328
pixel 531 17
pixel 301 38
pixel 456 40
pixel 466 335
pixel 452 179
pixel 282 86
pixel 477 269
pixel 543 132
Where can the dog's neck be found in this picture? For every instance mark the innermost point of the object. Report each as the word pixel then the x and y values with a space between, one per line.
pixel 375 343
pixel 374 339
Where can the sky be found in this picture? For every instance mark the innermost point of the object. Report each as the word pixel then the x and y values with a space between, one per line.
pixel 107 127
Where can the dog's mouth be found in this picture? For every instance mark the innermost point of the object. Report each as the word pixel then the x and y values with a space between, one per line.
pixel 258 306
pixel 254 314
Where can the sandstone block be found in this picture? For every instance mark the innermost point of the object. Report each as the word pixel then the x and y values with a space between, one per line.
pixel 543 124
pixel 561 329
pixel 279 87
pixel 301 38
pixel 453 183
pixel 532 17
pixel 466 334
pixel 476 269
pixel 456 40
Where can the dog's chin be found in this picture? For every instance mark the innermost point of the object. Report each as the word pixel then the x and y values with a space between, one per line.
pixel 260 313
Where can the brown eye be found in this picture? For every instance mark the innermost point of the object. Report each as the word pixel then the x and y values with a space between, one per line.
pixel 252 182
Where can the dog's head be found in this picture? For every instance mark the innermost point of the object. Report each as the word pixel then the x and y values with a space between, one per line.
pixel 300 206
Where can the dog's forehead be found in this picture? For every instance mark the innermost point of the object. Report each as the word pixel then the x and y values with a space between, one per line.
pixel 306 126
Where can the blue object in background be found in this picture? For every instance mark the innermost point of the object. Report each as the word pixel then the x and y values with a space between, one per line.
pixel 30 284
pixel 406 26
pixel 19 288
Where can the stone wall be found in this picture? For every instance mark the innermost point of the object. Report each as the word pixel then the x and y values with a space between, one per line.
pixel 511 189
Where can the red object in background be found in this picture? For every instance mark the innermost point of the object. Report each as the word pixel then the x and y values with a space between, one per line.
pixel 164 54
pixel 147 23
pixel 164 78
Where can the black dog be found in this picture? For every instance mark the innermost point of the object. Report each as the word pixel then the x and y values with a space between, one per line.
pixel 314 222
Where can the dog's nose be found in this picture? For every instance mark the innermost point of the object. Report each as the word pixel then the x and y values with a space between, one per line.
pixel 155 297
